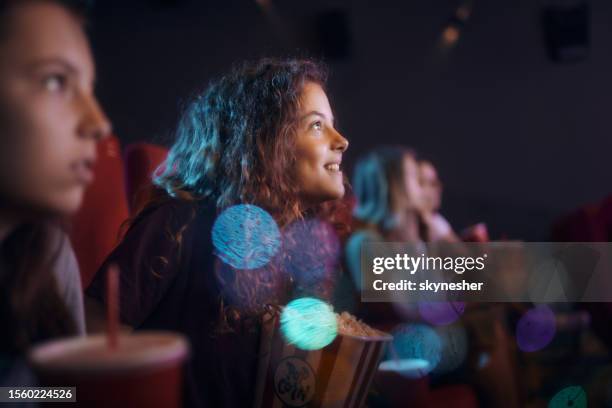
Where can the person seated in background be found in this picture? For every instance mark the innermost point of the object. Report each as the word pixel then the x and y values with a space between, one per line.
pixel 390 206
pixel 431 188
pixel 397 201
pixel 50 123
pixel 432 194
pixel 192 260
pixel 392 203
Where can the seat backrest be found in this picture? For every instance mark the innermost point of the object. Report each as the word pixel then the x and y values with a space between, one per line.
pixel 96 227
pixel 589 223
pixel 141 160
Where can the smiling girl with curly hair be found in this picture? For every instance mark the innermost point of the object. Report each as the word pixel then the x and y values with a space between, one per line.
pixel 255 153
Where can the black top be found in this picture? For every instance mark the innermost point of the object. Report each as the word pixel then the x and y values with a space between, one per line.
pixel 177 283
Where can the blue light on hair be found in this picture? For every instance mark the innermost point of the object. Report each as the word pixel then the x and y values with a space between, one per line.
pixel 308 323
pixel 373 185
pixel 371 189
pixel 245 236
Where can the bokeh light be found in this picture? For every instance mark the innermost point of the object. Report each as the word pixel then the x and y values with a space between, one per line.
pixel 416 342
pixel 245 236
pixel 573 396
pixel 536 329
pixel 450 35
pixel 312 250
pixel 410 368
pixel 308 323
pixel 454 341
pixel 441 313
pixel 484 359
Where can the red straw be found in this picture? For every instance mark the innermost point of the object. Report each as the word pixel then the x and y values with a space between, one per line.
pixel 112 306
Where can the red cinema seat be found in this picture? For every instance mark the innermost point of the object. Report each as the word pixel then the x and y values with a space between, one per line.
pixel 95 228
pixel 457 395
pixel 582 225
pixel 605 217
pixel 141 160
pixel 590 223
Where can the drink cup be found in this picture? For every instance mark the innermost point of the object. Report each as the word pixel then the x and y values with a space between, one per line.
pixel 145 370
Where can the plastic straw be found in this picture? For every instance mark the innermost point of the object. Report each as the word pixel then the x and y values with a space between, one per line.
pixel 112 307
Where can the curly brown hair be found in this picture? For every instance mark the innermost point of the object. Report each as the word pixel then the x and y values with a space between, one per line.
pixel 235 142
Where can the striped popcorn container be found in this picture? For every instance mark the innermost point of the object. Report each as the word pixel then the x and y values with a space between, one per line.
pixel 338 375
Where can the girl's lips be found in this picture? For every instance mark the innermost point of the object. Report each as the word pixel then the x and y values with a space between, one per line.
pixel 83 171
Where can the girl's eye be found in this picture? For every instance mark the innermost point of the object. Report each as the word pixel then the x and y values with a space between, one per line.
pixel 317 126
pixel 54 82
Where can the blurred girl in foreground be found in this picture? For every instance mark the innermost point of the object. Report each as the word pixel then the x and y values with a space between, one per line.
pixel 50 123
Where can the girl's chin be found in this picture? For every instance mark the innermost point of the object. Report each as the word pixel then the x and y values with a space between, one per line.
pixel 67 203
pixel 314 200
pixel 336 194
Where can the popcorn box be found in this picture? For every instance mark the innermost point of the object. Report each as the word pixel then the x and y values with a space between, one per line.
pixel 338 375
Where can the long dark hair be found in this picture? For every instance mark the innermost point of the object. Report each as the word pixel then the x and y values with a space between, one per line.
pixel 31 309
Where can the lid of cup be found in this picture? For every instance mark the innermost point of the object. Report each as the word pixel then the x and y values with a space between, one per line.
pixel 91 354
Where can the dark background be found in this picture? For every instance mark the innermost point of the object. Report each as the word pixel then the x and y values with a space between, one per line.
pixel 518 139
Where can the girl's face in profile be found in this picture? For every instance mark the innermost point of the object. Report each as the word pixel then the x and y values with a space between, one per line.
pixel 319 148
pixel 412 187
pixel 50 120
pixel 430 183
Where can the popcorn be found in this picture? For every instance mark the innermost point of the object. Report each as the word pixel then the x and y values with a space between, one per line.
pixel 351 326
